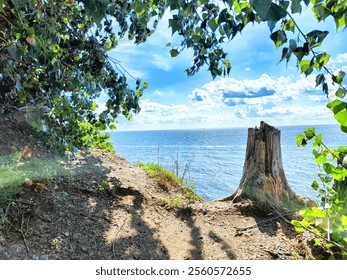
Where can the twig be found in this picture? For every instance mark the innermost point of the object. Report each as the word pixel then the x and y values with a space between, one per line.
pixel 23 234
pixel 313 52
pixel 26 203
pixel 256 224
pixel 113 245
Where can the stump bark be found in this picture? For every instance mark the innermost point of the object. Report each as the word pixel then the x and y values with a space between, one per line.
pixel 263 179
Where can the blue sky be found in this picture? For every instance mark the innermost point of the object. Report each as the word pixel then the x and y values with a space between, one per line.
pixel 258 88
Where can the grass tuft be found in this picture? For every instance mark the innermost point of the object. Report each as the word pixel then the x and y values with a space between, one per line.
pixel 14 175
pixel 171 183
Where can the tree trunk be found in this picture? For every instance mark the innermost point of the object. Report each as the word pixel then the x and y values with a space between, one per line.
pixel 263 179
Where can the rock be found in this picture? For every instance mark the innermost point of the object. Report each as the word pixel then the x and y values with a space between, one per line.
pixel 64 195
pixel 76 236
pixel 45 257
pixel 90 253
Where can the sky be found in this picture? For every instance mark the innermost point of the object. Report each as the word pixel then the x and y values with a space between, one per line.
pixel 258 87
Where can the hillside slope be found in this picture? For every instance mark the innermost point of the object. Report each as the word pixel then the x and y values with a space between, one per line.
pixel 102 207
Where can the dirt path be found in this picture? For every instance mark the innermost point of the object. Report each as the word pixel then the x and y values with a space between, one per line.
pixel 108 208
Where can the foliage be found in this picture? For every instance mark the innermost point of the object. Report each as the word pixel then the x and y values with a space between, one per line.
pixel 54 64
pixel 329 219
pixel 54 54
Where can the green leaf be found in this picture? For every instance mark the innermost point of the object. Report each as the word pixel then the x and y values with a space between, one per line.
pixel 344 220
pixel 202 2
pixel 321 60
pixel 321 158
pixel 299 53
pixel 299 140
pixel 340 111
pixel 340 21
pixel 213 24
pixel 305 65
pixel 285 52
pixel 174 52
pixel 1 6
pixel 318 213
pixel 341 93
pixel 318 141
pixel 292 45
pixel 279 38
pixel 325 88
pixel 339 78
pixel 337 106
pixel 289 25
pixel 315 185
pixel 296 7
pixel 318 241
pixel 316 37
pixel 310 133
pixel 297 225
pixel 139 8
pixel 328 168
pixel 329 245
pixel 267 10
pixel 319 79
pixel 175 24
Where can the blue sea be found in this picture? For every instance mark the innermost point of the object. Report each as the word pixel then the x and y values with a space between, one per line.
pixel 213 158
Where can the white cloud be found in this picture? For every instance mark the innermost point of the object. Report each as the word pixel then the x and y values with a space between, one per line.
pixel 163 62
pixel 157 93
pixel 264 90
pixel 340 58
pixel 279 101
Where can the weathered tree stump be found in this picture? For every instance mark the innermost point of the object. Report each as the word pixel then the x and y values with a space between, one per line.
pixel 263 179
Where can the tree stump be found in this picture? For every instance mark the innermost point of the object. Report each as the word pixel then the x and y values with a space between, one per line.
pixel 263 180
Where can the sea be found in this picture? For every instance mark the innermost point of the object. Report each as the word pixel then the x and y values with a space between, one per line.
pixel 211 160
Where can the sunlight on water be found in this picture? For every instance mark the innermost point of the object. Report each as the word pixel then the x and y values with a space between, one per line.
pixel 215 156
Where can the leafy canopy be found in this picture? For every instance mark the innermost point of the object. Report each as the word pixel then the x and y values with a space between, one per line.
pixel 54 54
pixel 54 65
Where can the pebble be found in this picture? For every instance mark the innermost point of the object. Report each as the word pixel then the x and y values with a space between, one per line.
pixel 64 195
pixel 90 253
pixel 77 236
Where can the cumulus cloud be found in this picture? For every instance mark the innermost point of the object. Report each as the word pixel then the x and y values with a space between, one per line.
pixel 264 90
pixel 229 102
pixel 340 58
